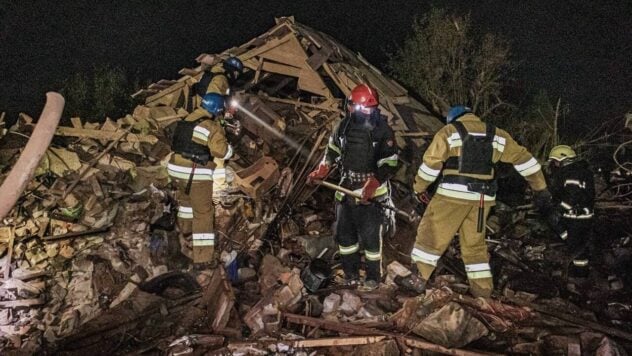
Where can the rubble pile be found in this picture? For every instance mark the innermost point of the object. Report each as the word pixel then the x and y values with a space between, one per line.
pixel 91 260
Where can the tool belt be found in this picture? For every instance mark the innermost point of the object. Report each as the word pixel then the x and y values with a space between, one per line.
pixel 473 184
pixel 198 159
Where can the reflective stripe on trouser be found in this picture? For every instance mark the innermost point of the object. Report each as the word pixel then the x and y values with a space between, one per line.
pixel 441 221
pixel 200 226
pixel 355 223
pixel 580 234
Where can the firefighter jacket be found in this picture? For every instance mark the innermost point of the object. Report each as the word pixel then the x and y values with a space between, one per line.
pixel 573 190
pixel 447 143
pixel 363 147
pixel 213 81
pixel 207 132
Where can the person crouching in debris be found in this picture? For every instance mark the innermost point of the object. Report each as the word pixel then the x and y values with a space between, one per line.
pixel 465 151
pixel 363 146
pixel 573 189
pixel 197 139
pixel 218 79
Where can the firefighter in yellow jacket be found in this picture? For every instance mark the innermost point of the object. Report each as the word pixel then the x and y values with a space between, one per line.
pixel 196 141
pixel 218 79
pixel 463 153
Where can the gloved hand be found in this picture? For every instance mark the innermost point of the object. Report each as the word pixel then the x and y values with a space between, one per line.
pixel 542 201
pixel 319 173
pixel 421 202
pixel 230 112
pixel 370 186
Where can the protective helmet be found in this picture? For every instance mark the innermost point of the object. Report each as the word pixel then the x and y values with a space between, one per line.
pixel 562 152
pixel 213 103
pixel 455 112
pixel 364 96
pixel 232 65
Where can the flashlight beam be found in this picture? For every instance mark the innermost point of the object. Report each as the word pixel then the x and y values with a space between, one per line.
pixel 273 130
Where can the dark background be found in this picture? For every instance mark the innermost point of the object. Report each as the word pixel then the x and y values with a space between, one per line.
pixel 579 50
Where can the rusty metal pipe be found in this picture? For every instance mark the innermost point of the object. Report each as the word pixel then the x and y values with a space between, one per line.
pixel 23 171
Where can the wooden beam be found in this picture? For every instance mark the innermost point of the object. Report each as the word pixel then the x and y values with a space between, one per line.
pixel 336 341
pixel 275 42
pixel 258 73
pixel 347 328
pixel 299 103
pixel 22 303
pixel 281 69
pixel 103 135
pixel 575 320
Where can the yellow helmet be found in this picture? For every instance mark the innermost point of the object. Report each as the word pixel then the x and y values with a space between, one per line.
pixel 562 152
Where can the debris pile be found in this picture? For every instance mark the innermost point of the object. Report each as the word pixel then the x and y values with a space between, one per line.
pixel 90 253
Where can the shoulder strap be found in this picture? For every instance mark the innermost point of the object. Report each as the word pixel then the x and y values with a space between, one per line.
pixel 201 86
pixel 460 128
pixel 490 132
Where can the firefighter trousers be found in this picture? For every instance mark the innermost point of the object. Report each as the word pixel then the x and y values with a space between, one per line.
pixel 196 220
pixel 441 221
pixel 359 224
pixel 578 239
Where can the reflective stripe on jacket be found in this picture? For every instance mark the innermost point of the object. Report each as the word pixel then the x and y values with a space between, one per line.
pixel 447 143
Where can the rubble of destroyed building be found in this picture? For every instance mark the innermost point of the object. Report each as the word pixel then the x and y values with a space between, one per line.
pixel 91 260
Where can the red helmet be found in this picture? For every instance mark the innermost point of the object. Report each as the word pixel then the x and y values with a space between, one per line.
pixel 365 96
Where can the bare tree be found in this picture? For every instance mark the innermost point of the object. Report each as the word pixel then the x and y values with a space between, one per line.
pixel 447 64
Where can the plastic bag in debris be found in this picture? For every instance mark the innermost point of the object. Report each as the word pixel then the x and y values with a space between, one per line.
pixel 451 326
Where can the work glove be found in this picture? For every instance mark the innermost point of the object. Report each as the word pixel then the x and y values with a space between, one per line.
pixel 421 202
pixel 542 201
pixel 370 186
pixel 319 173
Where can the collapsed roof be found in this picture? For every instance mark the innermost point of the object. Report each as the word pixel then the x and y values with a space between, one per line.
pixel 302 75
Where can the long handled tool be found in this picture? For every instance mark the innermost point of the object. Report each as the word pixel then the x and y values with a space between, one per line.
pixel 359 196
pixel 481 189
pixel 187 190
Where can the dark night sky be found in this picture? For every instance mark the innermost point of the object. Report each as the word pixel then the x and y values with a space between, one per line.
pixel 580 50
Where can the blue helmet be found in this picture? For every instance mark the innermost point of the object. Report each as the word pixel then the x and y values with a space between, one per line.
pixel 455 112
pixel 213 103
pixel 233 64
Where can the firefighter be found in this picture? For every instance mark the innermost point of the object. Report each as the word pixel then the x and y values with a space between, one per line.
pixel 363 147
pixel 198 139
pixel 573 189
pixel 219 78
pixel 464 153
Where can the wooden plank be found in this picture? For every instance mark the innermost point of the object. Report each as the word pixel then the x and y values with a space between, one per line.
pixel 291 53
pixel 574 319
pixel 76 122
pixel 281 69
pixel 160 94
pixel 311 81
pixel 299 103
pixel 275 42
pixel 103 135
pixel 22 303
pixel 336 341
pixel 334 76
pixel 258 73
pixel 350 329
